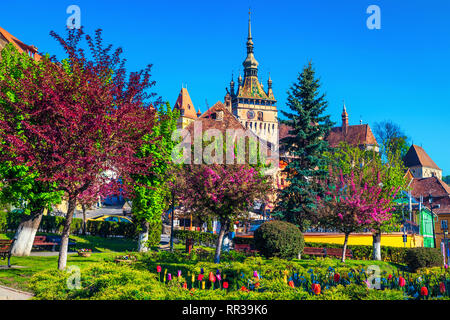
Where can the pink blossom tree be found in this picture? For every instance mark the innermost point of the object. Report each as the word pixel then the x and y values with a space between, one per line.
pixel 77 123
pixel 223 192
pixel 352 204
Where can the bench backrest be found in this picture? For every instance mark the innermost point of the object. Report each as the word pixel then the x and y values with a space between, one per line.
pixel 338 251
pixel 312 250
pixel 242 246
pixel 5 244
pixel 40 238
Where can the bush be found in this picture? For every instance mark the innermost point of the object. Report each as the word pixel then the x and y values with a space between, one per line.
pixel 423 257
pixel 279 239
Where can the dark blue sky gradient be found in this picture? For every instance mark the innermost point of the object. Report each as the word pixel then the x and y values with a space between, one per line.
pixel 399 73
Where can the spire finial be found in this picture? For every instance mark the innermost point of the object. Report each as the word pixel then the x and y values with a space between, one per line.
pixel 249 24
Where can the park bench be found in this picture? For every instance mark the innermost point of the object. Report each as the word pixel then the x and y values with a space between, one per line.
pixel 324 252
pixel 57 241
pixel 314 251
pixel 5 250
pixel 337 252
pixel 41 241
pixel 244 248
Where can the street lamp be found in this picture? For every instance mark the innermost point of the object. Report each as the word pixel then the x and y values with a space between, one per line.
pixel 430 201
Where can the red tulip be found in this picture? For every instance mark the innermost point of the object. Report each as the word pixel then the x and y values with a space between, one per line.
pixel 291 284
pixel 390 277
pixel 257 285
pixel 225 285
pixel 158 269
pixel 185 285
pixel 200 277
pixel 423 291
pixel 316 288
pixel 401 281
pixel 442 287
pixel 243 288
pixel 212 278
pixel 337 277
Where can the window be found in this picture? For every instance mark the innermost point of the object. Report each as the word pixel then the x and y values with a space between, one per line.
pixel 260 116
pixel 444 225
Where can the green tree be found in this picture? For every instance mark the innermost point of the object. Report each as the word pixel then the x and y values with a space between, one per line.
pixel 391 138
pixel 19 186
pixel 306 146
pixel 152 190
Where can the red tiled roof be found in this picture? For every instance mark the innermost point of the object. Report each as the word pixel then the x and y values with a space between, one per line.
pixel 356 135
pixel 416 156
pixel 185 105
pixel 20 46
pixel 425 186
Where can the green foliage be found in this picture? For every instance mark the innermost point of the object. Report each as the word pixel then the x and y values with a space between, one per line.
pixel 279 239
pixel 306 147
pixel 200 238
pixel 152 190
pixel 423 257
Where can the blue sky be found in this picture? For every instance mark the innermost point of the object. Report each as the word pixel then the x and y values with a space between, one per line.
pixel 400 72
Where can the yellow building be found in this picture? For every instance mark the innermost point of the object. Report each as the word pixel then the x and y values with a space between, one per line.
pixel 393 239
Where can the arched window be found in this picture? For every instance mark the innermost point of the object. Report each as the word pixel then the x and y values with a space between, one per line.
pixel 260 116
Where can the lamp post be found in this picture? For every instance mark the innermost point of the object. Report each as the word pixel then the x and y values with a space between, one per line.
pixel 171 222
pixel 430 201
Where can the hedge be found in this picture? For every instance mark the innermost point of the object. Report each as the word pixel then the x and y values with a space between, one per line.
pixel 55 224
pixel 205 238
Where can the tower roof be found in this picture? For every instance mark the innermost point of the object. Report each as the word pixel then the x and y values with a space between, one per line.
pixel 6 37
pixel 416 156
pixel 184 105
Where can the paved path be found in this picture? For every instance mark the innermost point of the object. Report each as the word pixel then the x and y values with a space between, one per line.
pixel 13 294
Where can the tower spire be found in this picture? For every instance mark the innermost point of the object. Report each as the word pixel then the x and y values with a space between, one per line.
pixel 249 25
pixel 250 64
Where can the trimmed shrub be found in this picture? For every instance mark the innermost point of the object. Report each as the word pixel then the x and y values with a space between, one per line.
pixel 423 257
pixel 279 239
pixel 205 238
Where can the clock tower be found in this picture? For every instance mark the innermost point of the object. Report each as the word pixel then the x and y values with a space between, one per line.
pixel 255 108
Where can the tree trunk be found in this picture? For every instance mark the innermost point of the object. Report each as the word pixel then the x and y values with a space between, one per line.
pixel 62 260
pixel 377 246
pixel 344 249
pixel 25 234
pixel 143 237
pixel 219 242
pixel 84 219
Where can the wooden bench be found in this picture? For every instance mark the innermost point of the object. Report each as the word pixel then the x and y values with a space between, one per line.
pixel 5 250
pixel 337 252
pixel 40 241
pixel 244 248
pixel 314 251
pixel 324 252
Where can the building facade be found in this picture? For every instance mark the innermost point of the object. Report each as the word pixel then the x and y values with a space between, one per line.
pixel 420 164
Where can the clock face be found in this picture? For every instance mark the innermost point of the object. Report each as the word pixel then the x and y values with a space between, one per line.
pixel 250 114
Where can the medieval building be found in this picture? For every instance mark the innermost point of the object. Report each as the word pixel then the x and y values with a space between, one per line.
pixel 420 164
pixel 250 104
pixel 6 37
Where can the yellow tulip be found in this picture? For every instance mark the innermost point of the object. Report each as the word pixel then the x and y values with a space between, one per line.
pixel 203 284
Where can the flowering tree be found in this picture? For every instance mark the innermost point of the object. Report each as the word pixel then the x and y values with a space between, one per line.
pixel 77 123
pixel 351 204
pixel 18 183
pixel 224 192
